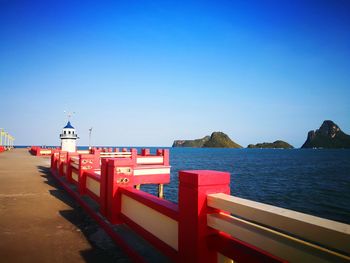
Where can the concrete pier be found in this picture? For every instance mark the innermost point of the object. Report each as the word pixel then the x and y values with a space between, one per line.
pixel 39 222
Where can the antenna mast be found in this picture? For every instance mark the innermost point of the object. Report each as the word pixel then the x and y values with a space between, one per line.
pixel 90 130
pixel 69 114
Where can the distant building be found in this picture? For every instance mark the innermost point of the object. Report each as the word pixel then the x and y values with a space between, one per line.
pixel 68 138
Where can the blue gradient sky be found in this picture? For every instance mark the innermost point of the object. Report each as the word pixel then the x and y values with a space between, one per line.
pixel 148 72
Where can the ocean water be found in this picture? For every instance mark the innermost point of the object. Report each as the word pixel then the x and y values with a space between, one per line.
pixel 316 182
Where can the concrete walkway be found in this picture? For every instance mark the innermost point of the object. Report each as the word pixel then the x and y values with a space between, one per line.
pixel 39 222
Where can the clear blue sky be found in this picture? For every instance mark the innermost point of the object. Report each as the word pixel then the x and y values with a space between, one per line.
pixel 144 73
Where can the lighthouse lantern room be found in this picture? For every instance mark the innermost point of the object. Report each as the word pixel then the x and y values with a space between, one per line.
pixel 68 138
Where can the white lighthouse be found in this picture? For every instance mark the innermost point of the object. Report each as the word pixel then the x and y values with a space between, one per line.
pixel 68 138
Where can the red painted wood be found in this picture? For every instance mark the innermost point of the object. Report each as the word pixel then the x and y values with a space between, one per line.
pixel 103 187
pixel 193 230
pixel 61 162
pixel 36 150
pixel 114 183
pixel 54 160
pixel 145 152
pixel 95 150
pixel 134 156
pixel 165 154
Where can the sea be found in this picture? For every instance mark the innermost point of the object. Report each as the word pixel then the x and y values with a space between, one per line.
pixel 312 181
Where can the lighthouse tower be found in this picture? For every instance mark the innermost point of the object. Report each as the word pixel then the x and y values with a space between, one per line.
pixel 68 138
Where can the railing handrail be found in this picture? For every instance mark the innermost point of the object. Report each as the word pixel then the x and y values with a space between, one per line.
pixel 330 234
pixel 115 153
pixel 83 151
pixel 154 159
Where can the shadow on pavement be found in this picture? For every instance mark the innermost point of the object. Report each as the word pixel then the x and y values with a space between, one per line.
pixel 103 249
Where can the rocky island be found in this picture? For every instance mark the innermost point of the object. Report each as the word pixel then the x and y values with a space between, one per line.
pixel 272 145
pixel 197 143
pixel 216 140
pixel 329 135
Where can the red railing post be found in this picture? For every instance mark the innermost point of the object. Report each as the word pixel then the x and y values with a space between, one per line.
pixel 103 187
pixel 96 161
pixel 194 186
pixel 54 159
pixel 119 174
pixel 61 161
pixel 145 152
pixel 133 155
pixel 165 154
pixel 96 151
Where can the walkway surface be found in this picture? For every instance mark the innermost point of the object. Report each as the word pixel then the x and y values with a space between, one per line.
pixel 39 222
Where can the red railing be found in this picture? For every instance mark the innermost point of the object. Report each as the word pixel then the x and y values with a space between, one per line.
pixel 187 231
pixel 39 151
pixel 90 177
pixel 179 231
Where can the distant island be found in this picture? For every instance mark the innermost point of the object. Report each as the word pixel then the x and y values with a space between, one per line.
pixel 216 140
pixel 329 135
pixel 272 145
